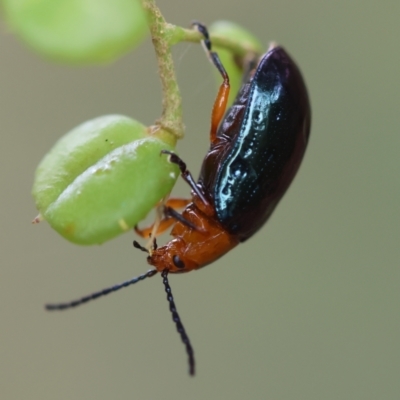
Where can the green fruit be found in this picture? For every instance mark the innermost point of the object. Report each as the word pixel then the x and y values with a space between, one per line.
pixel 102 178
pixel 78 31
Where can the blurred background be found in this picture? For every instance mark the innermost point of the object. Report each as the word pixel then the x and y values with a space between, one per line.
pixel 306 309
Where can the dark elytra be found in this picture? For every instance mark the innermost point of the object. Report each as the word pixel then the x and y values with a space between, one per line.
pixel 261 143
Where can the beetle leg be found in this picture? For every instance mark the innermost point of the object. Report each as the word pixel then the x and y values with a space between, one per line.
pixel 177 203
pixel 186 175
pixel 173 214
pixel 165 222
pixel 221 101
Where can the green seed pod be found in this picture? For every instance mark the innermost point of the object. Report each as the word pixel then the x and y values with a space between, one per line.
pixel 102 178
pixel 78 31
pixel 232 62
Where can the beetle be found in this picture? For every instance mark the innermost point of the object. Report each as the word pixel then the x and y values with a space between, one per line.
pixel 255 152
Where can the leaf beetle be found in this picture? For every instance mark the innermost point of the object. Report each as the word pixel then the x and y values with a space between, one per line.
pixel 256 149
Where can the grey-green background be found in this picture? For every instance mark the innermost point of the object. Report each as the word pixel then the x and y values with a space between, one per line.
pixel 307 309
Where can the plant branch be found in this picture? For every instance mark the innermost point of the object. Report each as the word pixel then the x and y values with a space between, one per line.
pixel 171 119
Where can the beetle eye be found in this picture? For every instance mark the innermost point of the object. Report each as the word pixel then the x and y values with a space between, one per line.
pixel 178 262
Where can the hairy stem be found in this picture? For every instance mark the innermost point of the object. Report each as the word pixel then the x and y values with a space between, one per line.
pixel 171 119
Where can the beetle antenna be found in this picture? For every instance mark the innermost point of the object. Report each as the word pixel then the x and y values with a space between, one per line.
pixel 179 326
pixel 104 292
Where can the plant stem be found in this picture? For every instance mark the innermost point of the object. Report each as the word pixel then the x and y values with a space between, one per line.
pixel 171 119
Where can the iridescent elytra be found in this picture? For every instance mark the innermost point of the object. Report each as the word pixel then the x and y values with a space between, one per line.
pixel 256 148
